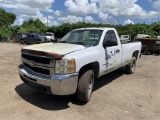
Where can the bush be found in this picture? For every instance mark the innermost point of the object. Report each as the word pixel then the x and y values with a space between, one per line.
pixel 5 35
pixel 4 39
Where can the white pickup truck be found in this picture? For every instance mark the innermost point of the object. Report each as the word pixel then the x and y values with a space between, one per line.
pixel 72 65
pixel 49 37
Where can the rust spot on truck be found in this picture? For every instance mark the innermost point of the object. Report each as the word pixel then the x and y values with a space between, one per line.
pixel 41 53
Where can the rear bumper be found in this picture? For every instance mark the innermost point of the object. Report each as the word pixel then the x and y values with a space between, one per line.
pixel 56 84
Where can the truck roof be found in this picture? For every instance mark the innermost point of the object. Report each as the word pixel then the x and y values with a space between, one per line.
pixel 49 33
pixel 97 28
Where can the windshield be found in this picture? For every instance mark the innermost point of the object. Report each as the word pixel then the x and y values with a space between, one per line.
pixel 83 37
pixel 38 36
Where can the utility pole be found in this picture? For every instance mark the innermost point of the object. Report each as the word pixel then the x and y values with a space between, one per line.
pixel 47 21
pixel 159 29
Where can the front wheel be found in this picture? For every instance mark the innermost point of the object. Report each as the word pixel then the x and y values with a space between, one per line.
pixel 130 68
pixel 85 85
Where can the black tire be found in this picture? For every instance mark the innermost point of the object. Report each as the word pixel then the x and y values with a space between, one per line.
pixel 22 42
pixel 38 42
pixel 130 68
pixel 85 85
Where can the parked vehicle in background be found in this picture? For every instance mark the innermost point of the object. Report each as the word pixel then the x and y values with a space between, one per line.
pixel 142 36
pixel 32 38
pixel 125 38
pixel 44 39
pixel 72 65
pixel 49 37
pixel 157 37
pixel 18 36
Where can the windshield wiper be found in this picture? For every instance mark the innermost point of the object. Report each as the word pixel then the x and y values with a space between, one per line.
pixel 62 41
pixel 79 43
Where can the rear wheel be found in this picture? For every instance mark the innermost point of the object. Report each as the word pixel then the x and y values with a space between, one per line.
pixel 85 85
pixel 130 68
pixel 22 42
pixel 38 41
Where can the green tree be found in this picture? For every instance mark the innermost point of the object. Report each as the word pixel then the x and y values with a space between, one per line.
pixel 6 18
pixel 32 26
pixel 155 27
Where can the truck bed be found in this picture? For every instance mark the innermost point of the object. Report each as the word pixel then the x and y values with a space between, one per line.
pixel 128 48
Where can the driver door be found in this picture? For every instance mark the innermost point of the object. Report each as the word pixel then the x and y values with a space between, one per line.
pixel 110 52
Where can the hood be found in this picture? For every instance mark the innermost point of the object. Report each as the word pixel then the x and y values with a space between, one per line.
pixel 56 50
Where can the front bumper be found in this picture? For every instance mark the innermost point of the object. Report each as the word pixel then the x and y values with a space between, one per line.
pixel 56 84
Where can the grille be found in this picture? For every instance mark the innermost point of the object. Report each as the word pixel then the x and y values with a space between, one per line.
pixel 37 69
pixel 38 64
pixel 30 78
pixel 36 59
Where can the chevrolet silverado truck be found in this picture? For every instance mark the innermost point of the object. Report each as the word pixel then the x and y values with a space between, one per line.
pixel 72 65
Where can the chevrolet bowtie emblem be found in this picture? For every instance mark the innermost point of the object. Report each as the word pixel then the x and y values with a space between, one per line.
pixel 31 63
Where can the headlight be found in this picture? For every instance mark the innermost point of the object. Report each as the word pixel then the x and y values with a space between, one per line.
pixel 65 66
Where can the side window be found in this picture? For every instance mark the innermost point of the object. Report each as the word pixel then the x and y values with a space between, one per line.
pixel 28 35
pixel 110 36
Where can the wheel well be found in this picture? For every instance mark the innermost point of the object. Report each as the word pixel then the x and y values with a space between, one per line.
pixel 93 66
pixel 135 54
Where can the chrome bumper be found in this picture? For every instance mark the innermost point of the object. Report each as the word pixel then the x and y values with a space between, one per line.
pixel 57 84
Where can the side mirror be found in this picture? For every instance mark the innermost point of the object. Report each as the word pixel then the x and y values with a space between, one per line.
pixel 109 43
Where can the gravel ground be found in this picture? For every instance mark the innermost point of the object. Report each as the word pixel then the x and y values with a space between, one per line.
pixel 117 96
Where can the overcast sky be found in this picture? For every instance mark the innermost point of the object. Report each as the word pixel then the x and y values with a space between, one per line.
pixel 94 11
